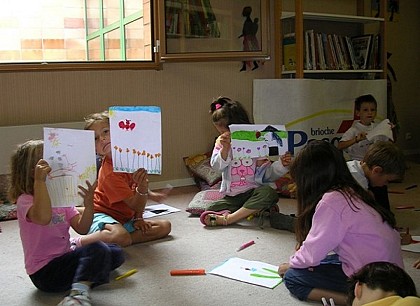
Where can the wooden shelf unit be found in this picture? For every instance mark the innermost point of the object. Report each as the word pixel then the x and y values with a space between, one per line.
pixel 300 17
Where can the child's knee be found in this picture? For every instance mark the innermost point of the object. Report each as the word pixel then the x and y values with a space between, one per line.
pixel 165 227
pixel 122 238
pixel 269 193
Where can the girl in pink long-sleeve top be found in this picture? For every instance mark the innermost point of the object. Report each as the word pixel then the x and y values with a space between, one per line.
pixel 340 228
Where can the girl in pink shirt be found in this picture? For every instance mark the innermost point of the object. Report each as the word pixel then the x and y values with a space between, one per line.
pixel 340 228
pixel 50 260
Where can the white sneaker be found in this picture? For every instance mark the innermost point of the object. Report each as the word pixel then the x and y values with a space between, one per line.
pixel 76 300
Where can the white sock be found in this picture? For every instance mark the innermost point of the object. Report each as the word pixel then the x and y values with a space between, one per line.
pixel 80 288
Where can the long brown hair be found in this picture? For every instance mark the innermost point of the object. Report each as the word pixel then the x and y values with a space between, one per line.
pixel 318 168
pixel 22 164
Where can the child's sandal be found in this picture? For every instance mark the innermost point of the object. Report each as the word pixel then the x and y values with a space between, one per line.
pixel 213 217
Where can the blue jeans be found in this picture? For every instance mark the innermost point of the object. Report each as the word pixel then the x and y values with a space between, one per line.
pixel 328 275
pixel 91 263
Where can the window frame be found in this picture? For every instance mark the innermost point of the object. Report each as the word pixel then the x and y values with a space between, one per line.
pixel 263 54
pixel 153 64
pixel 159 55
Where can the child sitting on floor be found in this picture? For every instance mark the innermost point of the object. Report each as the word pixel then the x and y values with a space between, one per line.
pixel 340 228
pixel 354 141
pixel 50 261
pixel 245 192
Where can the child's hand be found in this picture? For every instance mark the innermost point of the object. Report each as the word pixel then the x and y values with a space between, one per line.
pixel 405 237
pixel 261 162
pixel 42 168
pixel 87 194
pixel 286 159
pixel 140 178
pixel 224 140
pixel 142 225
pixel 361 136
pixel 160 197
pixel 283 268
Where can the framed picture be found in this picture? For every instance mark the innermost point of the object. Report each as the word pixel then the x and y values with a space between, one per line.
pixel 361 47
pixel 215 29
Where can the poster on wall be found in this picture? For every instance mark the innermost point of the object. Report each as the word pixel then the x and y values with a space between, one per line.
pixel 136 138
pixel 313 109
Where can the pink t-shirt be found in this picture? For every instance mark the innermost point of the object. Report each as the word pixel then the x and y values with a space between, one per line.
pixel 42 243
pixel 358 236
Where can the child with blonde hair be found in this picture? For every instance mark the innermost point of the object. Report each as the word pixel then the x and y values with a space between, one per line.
pixel 120 198
pixel 50 261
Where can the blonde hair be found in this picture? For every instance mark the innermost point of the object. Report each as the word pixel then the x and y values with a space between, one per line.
pixel 22 164
pixel 92 118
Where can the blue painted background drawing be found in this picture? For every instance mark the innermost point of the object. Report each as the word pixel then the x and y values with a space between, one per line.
pixel 136 138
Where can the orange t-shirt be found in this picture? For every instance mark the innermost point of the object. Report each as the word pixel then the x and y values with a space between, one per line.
pixel 113 188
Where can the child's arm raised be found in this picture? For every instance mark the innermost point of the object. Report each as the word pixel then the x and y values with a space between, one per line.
pixel 81 223
pixel 40 212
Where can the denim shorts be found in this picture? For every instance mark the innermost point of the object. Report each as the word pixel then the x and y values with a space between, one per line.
pixel 328 275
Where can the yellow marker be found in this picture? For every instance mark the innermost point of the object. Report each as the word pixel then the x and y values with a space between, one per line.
pixel 126 274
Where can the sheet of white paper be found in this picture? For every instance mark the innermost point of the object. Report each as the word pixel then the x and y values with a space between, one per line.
pixel 136 138
pixel 158 210
pixel 71 156
pixel 382 129
pixel 258 140
pixel 252 272
pixel 413 247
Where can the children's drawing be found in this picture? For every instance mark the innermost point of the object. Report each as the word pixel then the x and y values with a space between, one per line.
pixel 71 156
pixel 252 272
pixel 136 138
pixel 258 140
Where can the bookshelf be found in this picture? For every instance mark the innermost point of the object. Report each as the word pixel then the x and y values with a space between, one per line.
pixel 312 50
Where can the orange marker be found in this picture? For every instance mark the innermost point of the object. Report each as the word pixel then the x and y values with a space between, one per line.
pixel 188 272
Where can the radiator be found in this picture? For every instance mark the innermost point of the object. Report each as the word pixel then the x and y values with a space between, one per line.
pixel 11 136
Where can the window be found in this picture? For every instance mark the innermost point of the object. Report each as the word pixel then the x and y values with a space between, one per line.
pixel 76 34
pixel 125 34
pixel 215 29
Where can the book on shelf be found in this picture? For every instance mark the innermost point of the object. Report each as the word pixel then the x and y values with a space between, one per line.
pixel 308 53
pixel 321 53
pixel 339 52
pixel 289 51
pixel 351 52
pixel 346 53
pixel 313 49
pixel 374 57
pixel 361 47
pixel 327 52
pixel 333 52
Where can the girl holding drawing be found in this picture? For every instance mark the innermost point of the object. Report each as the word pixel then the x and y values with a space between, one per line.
pixel 50 262
pixel 340 228
pixel 120 198
pixel 242 179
